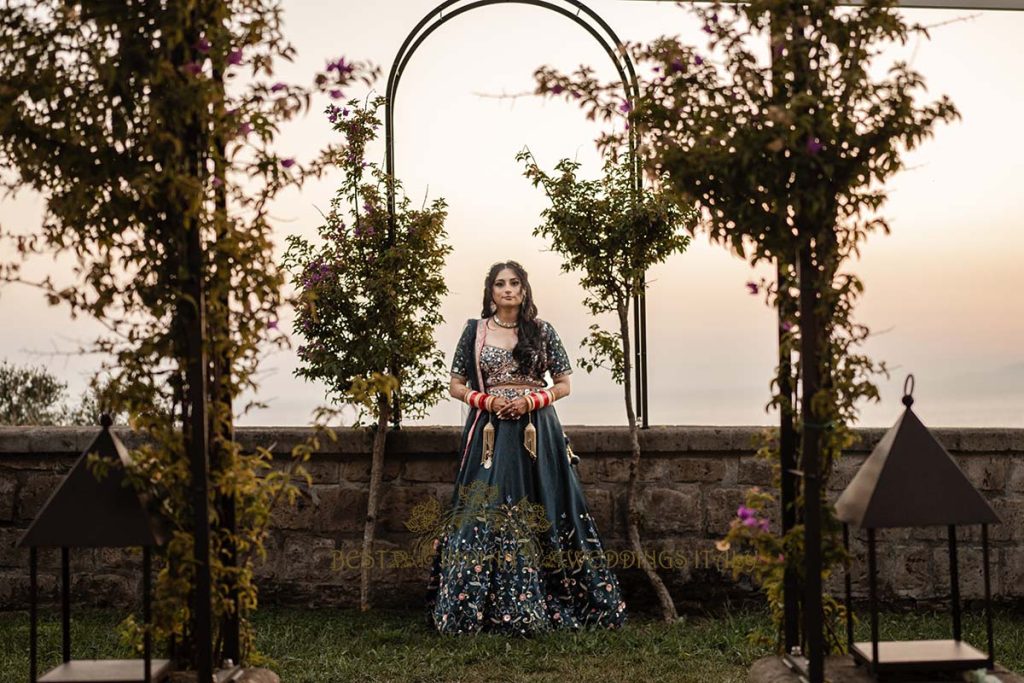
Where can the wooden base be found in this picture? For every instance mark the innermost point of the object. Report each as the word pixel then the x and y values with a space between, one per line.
pixel 920 655
pixel 106 671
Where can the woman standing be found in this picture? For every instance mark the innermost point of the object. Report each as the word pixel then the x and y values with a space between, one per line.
pixel 520 552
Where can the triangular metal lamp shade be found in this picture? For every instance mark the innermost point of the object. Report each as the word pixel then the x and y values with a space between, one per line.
pixel 910 480
pixel 86 513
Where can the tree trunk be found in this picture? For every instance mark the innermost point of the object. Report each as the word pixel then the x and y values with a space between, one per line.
pixel 668 608
pixel 787 459
pixel 372 504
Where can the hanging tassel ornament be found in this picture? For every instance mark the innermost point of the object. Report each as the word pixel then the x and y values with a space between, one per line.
pixel 488 458
pixel 530 433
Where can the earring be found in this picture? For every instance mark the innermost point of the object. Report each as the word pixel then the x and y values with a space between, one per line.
pixel 494 307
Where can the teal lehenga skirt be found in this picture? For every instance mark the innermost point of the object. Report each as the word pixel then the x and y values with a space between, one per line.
pixel 519 552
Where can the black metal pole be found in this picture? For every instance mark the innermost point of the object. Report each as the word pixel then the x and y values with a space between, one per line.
pixel 65 604
pixel 197 448
pixel 787 464
pixel 873 598
pixel 33 617
pixel 988 597
pixel 954 583
pixel 638 357
pixel 811 345
pixel 147 636
pixel 848 581
pixel 642 376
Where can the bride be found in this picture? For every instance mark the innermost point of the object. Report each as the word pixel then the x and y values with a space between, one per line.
pixel 520 552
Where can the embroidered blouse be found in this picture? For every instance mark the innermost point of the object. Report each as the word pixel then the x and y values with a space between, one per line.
pixel 499 367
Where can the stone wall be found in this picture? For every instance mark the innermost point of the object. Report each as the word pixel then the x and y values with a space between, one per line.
pixel 693 479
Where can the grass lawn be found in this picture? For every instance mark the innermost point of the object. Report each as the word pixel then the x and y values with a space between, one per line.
pixel 328 646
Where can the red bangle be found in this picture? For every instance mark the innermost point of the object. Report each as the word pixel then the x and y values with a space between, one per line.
pixel 540 398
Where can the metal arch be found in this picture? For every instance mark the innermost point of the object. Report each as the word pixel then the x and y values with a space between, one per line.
pixel 627 74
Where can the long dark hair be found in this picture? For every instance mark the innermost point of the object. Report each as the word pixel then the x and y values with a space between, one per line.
pixel 529 350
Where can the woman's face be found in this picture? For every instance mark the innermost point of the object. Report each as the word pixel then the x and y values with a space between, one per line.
pixel 507 289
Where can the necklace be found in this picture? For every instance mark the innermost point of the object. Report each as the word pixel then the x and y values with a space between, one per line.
pixel 499 323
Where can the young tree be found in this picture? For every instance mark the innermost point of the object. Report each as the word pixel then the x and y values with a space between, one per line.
pixel 157 165
pixel 369 301
pixel 612 234
pixel 31 396
pixel 784 131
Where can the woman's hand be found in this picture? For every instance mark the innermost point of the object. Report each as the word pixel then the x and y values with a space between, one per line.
pixel 498 404
pixel 512 410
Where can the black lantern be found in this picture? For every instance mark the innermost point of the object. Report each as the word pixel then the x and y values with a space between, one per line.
pixel 88 513
pixel 910 480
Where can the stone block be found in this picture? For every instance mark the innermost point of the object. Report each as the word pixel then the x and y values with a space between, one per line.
pixel 34 492
pixel 693 470
pixel 755 471
pixel 434 469
pixel 601 503
pixel 398 502
pixel 323 471
pixel 358 471
pixel 986 472
pixel 669 511
pixel 616 468
pixel 907 571
pixel 105 589
pixel 307 557
pixel 8 491
pixel 1010 570
pixel 843 472
pixel 588 469
pixel 970 569
pixel 302 512
pixel 1015 479
pixel 1011 512
pixel 10 555
pixel 721 509
pixel 340 509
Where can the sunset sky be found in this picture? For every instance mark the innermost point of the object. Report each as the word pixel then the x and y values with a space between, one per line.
pixel 945 291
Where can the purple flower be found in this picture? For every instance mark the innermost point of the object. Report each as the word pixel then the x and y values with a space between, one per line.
pixel 277 87
pixel 344 112
pixel 272 325
pixel 216 182
pixel 714 17
pixel 557 89
pixel 332 113
pixel 676 65
pixel 750 522
pixel 575 95
pixel 764 525
pixel 786 326
pixel 698 60
pixel 202 45
pixel 753 287
pixel 656 69
pixel 626 107
pixel 245 129
pixel 707 29
pixel 235 57
pixel 336 94
pixel 288 163
pixel 193 68
pixel 341 66
pixel 743 512
pixel 814 145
